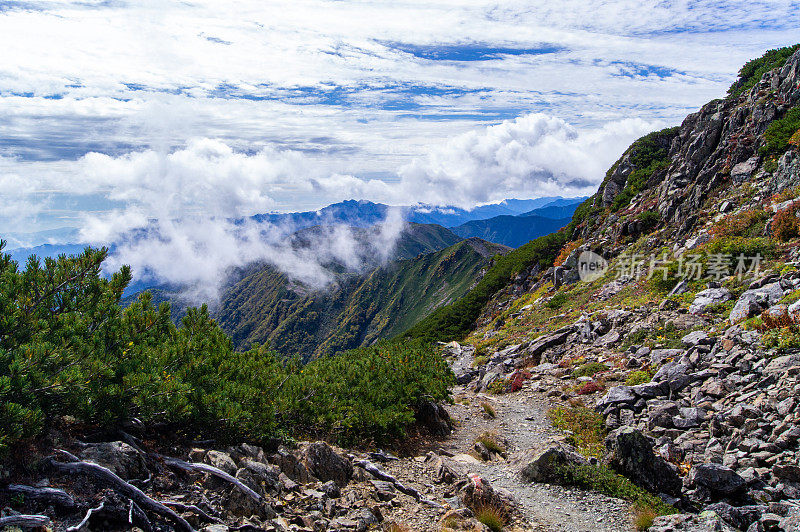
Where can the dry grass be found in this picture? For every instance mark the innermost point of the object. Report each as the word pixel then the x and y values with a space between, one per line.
pixel 489 410
pixel 644 517
pixel 493 517
pixel 492 442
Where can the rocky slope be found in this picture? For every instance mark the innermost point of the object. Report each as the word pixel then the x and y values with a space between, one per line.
pixel 693 379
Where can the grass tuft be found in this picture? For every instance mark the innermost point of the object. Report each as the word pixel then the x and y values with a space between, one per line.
pixel 644 517
pixel 491 516
pixel 489 410
pixel 491 441
pixel 589 369
pixel 638 377
pixel 605 481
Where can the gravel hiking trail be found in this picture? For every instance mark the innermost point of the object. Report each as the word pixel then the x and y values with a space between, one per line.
pixel 521 419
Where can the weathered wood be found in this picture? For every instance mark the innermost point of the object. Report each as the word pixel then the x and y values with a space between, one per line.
pixel 383 475
pixel 195 509
pixel 85 520
pixel 211 470
pixel 137 513
pixel 130 491
pixel 25 521
pixel 48 495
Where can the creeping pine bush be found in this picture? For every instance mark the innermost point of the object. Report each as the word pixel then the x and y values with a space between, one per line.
pixel 780 133
pixel 649 220
pixel 647 155
pixel 753 70
pixel 67 347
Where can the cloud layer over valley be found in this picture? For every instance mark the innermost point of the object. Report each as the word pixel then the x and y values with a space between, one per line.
pixel 165 124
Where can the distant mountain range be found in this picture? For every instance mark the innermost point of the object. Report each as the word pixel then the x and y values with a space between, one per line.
pixel 436 260
pixel 359 213
pixel 511 231
pixel 431 267
pixel 516 230
pixel 366 213
pixel 20 255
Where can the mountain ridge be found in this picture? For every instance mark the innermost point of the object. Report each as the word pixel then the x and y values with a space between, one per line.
pixel 357 309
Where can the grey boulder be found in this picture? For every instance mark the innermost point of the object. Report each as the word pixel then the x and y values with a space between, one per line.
pixel 717 479
pixel 631 454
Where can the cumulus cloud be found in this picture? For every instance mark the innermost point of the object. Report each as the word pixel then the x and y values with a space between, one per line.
pixel 186 219
pixel 531 156
pixel 198 254
pixel 181 215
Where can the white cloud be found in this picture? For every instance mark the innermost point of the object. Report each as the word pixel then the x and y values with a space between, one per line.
pixel 532 156
pixel 181 211
pixel 182 115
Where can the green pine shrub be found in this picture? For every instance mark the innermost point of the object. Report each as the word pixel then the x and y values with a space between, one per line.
pixel 752 71
pixel 780 132
pixel 649 220
pixel 67 348
pixel 647 155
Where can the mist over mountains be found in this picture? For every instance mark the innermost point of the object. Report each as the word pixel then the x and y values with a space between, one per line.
pixel 239 242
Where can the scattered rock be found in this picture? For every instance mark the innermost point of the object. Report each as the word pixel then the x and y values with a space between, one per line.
pixel 325 464
pixel 716 478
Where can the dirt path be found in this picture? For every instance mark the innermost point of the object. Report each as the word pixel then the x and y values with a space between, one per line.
pixel 521 419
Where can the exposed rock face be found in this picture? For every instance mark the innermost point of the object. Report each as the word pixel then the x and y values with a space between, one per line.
pixel 619 177
pixel 788 173
pixel 119 457
pixel 631 454
pixel 720 140
pixel 706 298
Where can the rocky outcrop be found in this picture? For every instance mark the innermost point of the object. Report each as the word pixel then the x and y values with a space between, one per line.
pixel 706 522
pixel 321 461
pixel 721 141
pixel 631 454
pixel 120 457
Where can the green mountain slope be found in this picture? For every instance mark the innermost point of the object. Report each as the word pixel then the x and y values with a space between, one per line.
pixel 266 306
pixel 415 240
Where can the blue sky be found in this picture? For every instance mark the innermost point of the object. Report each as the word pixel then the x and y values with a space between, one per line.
pixel 116 112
